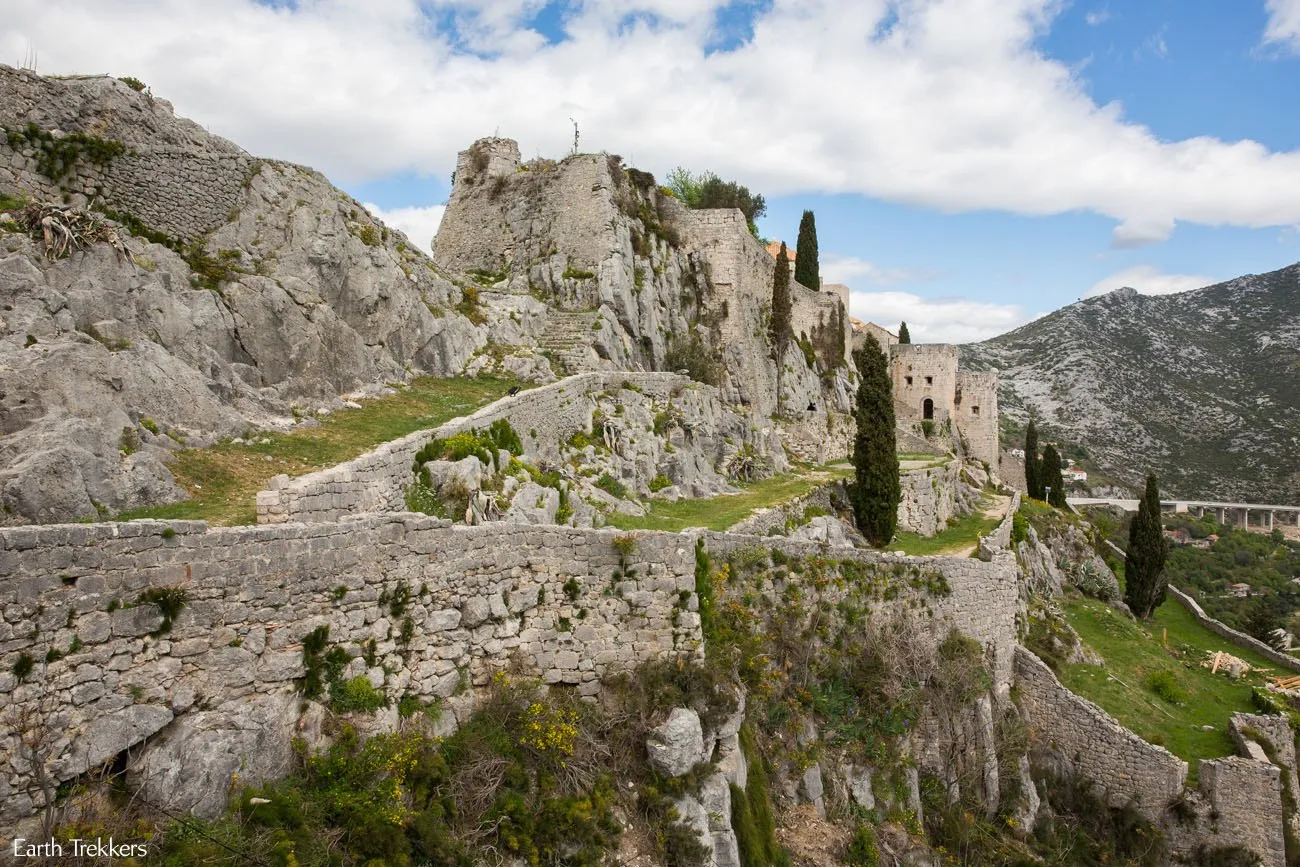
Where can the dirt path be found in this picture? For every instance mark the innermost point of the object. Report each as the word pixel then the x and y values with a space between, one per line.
pixel 997 508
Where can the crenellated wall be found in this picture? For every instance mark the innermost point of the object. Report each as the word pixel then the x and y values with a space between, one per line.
pixel 421 608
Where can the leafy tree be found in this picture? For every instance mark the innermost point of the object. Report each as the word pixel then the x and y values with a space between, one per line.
pixel 780 329
pixel 707 190
pixel 1144 576
pixel 1260 621
pixel 1049 476
pixel 1033 480
pixel 876 490
pixel 806 269
pixel 903 335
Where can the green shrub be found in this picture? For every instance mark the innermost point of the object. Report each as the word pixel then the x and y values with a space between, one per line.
pixel 690 354
pixel 23 667
pixel 129 442
pixel 863 851
pixel 659 482
pixel 1019 528
pixel 170 601
pixel 134 83
pixel 1164 685
pixel 357 694
pixel 572 273
pixel 57 157
pixel 470 306
pixel 612 486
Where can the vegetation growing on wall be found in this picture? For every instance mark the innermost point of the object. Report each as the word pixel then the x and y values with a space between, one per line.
pixel 57 157
pixel 707 190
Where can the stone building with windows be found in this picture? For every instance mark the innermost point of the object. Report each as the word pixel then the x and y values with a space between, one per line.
pixel 930 386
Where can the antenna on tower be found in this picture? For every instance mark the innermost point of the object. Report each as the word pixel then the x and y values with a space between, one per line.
pixel 575 136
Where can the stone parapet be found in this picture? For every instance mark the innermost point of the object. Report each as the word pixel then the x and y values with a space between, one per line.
pixel 1093 744
pixel 376 482
pixel 421 608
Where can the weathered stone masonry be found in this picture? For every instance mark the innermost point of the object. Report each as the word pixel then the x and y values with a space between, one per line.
pixel 172 176
pixel 477 596
pixel 1238 801
pixel 376 481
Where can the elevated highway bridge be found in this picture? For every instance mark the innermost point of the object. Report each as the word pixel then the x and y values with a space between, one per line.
pixel 1245 515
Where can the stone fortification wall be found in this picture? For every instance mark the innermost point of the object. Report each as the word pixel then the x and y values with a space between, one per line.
pixel 172 175
pixel 1001 535
pixel 420 608
pixel 813 313
pixel 1245 801
pixel 975 411
pixel 543 417
pixel 931 496
pixel 1223 630
pixel 982 601
pixel 763 521
pixel 924 371
pixel 1093 745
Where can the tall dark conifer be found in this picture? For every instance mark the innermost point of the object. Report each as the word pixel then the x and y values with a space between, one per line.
pixel 780 328
pixel 1049 476
pixel 876 490
pixel 1144 579
pixel 903 335
pixel 1033 481
pixel 806 269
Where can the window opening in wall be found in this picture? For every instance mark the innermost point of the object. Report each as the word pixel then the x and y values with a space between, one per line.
pixel 929 380
pixel 909 380
pixel 927 409
pixel 975 410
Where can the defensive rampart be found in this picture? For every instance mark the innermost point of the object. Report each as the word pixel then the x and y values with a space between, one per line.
pixel 376 482
pixel 421 608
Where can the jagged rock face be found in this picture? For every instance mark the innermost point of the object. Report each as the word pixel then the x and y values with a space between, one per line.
pixel 1202 387
pixel 303 297
pixel 628 274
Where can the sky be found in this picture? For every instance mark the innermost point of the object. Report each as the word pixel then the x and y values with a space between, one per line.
pixel 972 164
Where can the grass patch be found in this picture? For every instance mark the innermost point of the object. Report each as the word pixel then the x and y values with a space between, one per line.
pixel 1166 652
pixel 719 513
pixel 223 480
pixel 959 535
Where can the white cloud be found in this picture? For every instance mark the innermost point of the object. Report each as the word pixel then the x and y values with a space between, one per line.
pixel 1149 281
pixel 1097 17
pixel 937 320
pixel 1283 23
pixel 419 224
pixel 851 269
pixel 973 116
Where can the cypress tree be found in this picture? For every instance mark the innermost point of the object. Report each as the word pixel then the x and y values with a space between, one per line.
pixel 903 335
pixel 876 491
pixel 1049 476
pixel 806 269
pixel 1033 482
pixel 1144 580
pixel 780 328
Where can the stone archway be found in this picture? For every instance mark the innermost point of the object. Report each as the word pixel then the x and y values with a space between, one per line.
pixel 927 409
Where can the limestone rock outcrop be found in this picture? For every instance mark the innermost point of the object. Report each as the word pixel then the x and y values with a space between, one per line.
pixel 251 287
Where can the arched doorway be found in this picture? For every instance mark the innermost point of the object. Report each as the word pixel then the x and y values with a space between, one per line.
pixel 927 409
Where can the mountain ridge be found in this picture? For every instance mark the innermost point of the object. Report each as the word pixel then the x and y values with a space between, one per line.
pixel 1199 387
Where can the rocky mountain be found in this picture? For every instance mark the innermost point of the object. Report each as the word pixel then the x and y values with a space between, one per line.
pixel 209 292
pixel 1201 387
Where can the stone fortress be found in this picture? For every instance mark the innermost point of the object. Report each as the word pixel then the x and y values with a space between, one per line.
pixel 97 667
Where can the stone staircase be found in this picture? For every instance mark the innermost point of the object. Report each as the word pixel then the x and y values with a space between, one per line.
pixel 568 338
